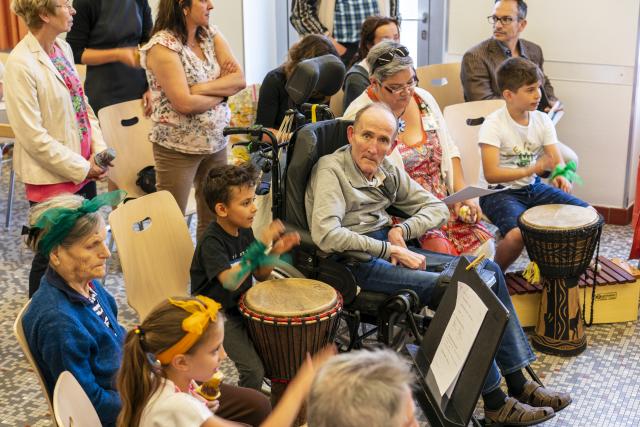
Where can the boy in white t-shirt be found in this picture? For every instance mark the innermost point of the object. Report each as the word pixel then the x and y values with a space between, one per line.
pixel 518 145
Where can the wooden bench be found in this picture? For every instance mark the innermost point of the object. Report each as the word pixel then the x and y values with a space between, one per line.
pixel 617 293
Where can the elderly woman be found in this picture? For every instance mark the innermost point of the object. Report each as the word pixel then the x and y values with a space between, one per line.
pixel 428 153
pixel 57 133
pixel 374 29
pixel 191 72
pixel 71 323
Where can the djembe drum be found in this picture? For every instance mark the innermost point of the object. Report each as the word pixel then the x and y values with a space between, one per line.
pixel 288 318
pixel 561 240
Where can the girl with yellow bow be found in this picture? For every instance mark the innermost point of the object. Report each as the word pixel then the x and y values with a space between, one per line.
pixel 177 345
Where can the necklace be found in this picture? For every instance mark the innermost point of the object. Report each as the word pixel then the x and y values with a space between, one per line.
pixel 402 124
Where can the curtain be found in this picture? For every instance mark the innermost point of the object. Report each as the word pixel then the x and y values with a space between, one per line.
pixel 12 28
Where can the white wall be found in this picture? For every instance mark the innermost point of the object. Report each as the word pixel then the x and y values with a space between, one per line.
pixel 590 57
pixel 260 39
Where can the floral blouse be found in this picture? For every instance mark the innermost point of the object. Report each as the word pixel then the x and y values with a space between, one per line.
pixel 42 192
pixel 191 133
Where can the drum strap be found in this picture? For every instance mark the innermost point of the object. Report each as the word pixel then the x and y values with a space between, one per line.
pixel 594 283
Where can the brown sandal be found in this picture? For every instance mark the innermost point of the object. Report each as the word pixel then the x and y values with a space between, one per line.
pixel 514 413
pixel 536 395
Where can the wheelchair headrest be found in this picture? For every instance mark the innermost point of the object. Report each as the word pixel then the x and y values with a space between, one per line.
pixel 309 144
pixel 322 76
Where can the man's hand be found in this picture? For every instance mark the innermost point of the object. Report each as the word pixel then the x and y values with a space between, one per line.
pixel 407 258
pixel 395 237
pixel 562 183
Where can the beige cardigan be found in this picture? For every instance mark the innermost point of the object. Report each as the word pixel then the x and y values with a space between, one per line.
pixel 47 149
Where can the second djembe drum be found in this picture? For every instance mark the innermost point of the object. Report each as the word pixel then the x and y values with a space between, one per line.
pixel 561 240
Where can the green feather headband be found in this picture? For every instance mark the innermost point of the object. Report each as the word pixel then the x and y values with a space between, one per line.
pixel 56 223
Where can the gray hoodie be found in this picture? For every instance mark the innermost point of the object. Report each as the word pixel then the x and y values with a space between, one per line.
pixel 342 206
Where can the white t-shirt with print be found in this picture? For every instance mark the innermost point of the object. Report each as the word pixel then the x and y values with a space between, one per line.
pixel 520 146
pixel 169 407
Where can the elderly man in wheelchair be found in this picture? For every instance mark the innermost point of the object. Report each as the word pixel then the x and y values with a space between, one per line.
pixel 346 199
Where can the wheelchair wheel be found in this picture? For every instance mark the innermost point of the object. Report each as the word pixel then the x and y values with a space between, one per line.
pixel 285 271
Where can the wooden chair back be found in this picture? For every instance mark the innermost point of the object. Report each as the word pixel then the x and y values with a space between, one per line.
pixel 155 249
pixel 443 82
pixel 18 331
pixel 463 121
pixel 71 405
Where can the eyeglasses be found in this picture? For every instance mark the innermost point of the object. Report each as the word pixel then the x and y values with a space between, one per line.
pixel 504 20
pixel 404 88
pixel 66 4
pixel 388 56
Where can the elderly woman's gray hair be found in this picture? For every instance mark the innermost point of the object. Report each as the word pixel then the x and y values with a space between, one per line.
pixel 84 226
pixel 389 69
pixel 360 389
pixel 30 11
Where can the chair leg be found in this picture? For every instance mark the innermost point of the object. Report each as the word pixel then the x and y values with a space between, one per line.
pixel 12 181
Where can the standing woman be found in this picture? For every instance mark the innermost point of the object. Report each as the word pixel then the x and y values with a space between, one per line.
pixel 105 36
pixel 191 72
pixel 57 133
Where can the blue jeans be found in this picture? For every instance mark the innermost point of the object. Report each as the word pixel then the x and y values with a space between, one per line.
pixel 379 275
pixel 504 208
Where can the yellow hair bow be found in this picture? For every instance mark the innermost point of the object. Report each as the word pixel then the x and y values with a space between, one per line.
pixel 203 311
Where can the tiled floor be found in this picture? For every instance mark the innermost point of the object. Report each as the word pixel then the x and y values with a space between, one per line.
pixel 604 380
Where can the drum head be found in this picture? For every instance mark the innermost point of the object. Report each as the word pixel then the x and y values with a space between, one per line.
pixel 559 217
pixel 291 297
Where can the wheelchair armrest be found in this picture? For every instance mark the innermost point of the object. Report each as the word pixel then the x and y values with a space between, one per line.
pixel 306 242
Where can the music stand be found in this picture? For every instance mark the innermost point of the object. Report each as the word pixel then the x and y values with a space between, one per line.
pixel 458 409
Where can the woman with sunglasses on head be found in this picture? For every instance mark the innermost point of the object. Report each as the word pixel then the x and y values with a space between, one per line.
pixel 374 29
pixel 428 153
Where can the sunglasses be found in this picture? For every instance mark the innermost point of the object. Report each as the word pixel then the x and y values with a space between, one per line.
pixel 388 56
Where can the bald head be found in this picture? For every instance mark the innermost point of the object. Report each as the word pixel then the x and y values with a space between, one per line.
pixel 371 137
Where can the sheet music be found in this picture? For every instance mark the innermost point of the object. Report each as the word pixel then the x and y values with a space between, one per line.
pixel 458 338
pixel 470 192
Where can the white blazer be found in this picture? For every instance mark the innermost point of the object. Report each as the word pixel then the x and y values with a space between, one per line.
pixel 41 114
pixel 449 147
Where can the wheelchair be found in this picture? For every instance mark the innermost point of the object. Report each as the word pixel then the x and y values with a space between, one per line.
pixel 289 162
pixel 394 316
